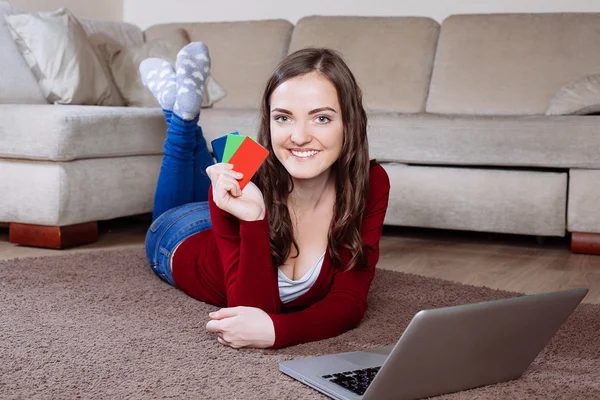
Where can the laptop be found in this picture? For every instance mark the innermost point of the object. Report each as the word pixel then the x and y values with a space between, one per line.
pixel 444 350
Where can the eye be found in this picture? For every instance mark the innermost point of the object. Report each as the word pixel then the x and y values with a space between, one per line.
pixel 323 119
pixel 281 118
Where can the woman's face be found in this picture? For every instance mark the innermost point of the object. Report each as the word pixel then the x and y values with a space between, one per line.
pixel 306 125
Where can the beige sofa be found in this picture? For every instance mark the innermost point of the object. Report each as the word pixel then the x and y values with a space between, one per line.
pixel 457 118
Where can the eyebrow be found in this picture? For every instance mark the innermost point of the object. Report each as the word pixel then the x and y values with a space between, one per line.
pixel 316 110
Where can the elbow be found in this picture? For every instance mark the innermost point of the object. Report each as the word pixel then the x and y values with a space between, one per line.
pixel 355 316
pixel 355 322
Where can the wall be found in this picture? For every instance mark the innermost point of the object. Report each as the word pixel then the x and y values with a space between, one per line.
pixel 149 12
pixel 100 9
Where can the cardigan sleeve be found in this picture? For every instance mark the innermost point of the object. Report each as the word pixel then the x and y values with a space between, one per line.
pixel 344 306
pixel 245 253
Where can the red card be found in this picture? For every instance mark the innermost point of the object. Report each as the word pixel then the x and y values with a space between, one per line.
pixel 247 159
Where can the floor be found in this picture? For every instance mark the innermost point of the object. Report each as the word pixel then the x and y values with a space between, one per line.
pixel 509 262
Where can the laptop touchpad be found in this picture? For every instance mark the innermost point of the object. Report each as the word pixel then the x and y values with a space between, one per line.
pixel 370 358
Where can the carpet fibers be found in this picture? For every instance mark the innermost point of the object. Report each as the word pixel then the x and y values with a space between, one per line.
pixel 100 325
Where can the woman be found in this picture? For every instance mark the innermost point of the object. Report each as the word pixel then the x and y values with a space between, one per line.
pixel 290 258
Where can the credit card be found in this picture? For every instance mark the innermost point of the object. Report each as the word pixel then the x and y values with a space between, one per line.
pixel 247 159
pixel 231 145
pixel 218 146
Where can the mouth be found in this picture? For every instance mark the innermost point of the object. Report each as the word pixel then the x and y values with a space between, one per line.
pixel 304 154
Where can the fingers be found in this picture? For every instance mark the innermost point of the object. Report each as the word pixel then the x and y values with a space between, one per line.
pixel 231 173
pixel 216 170
pixel 224 188
pixel 222 327
pixel 219 167
pixel 225 182
pixel 223 341
pixel 233 345
pixel 215 326
pixel 222 323
pixel 229 184
pixel 225 313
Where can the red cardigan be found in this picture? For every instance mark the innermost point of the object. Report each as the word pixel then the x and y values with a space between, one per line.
pixel 230 265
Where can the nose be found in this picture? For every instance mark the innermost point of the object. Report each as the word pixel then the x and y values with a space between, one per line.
pixel 300 135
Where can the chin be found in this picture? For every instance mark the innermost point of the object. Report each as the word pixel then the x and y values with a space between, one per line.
pixel 303 176
pixel 298 172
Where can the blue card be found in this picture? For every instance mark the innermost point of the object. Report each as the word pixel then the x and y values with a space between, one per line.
pixel 218 146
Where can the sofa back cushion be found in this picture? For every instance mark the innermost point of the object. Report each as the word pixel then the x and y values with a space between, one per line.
pixel 391 57
pixel 17 83
pixel 121 33
pixel 46 40
pixel 243 54
pixel 510 64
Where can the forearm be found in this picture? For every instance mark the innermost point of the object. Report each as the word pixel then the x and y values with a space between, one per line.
pixel 244 247
pixel 318 322
pixel 254 283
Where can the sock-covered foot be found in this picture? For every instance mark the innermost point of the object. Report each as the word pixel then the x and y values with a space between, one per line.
pixel 158 76
pixel 193 65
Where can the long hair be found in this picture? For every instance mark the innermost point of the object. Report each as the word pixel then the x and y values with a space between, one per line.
pixel 351 169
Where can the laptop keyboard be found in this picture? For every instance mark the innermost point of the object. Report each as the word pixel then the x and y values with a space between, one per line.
pixel 355 381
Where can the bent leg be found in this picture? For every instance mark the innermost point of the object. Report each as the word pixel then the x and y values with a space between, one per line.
pixel 175 186
pixel 193 66
pixel 182 178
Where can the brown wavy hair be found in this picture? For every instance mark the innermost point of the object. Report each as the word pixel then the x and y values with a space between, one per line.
pixel 351 169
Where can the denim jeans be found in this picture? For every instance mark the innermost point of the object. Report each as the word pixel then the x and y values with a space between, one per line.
pixel 169 230
pixel 180 203
pixel 182 178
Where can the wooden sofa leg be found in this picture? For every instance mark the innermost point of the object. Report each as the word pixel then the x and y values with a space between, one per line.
pixel 585 242
pixel 53 237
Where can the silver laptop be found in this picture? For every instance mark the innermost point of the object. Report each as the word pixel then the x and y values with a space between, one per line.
pixel 444 350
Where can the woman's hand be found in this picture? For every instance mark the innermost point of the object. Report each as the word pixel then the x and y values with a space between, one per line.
pixel 246 205
pixel 239 327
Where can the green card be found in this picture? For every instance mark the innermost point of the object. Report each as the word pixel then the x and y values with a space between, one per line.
pixel 231 146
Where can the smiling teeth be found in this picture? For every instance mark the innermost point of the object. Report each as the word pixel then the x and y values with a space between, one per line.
pixel 304 154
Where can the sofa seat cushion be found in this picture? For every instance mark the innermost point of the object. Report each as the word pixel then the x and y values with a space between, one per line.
pixel 474 199
pixel 65 133
pixel 523 141
pixel 583 214
pixel 66 193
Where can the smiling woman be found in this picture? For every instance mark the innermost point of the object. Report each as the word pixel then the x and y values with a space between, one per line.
pixel 317 139
pixel 291 257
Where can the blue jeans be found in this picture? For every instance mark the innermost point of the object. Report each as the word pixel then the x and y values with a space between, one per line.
pixel 169 230
pixel 180 203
